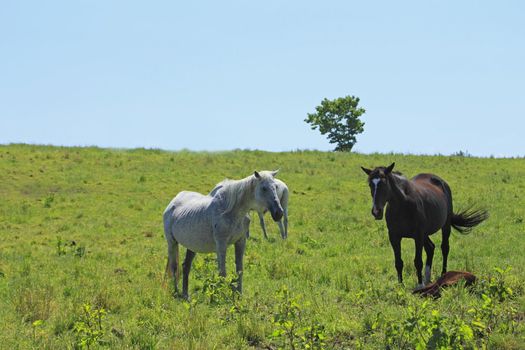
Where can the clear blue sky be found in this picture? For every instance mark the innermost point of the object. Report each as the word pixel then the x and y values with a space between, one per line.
pixel 434 76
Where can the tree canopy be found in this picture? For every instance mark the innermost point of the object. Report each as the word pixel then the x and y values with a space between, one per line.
pixel 339 119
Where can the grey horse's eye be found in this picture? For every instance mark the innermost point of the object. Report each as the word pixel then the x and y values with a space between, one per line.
pixel 265 189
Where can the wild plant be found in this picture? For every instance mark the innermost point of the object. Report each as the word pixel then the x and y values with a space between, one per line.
pixel 220 290
pixel 63 248
pixel 290 330
pixel 89 329
pixel 49 200
pixel 425 327
pixel 36 325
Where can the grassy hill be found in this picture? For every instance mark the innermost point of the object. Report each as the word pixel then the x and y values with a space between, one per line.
pixel 82 255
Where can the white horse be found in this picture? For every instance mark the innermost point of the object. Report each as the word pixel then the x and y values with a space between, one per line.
pixel 205 224
pixel 282 194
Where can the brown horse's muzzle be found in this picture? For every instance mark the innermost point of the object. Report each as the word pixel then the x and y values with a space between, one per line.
pixel 377 213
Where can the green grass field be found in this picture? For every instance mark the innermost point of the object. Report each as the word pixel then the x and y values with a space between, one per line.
pixel 82 256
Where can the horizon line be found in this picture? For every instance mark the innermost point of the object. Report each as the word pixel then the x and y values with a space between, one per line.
pixel 460 153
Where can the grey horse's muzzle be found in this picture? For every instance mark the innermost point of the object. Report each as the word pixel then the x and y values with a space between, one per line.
pixel 277 212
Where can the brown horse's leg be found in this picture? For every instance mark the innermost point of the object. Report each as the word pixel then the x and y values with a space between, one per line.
pixel 418 259
pixel 395 241
pixel 429 250
pixel 186 267
pixel 445 247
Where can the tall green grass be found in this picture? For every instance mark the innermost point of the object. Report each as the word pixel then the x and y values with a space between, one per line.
pixel 82 255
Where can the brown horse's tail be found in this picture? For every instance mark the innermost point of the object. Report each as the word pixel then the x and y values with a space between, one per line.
pixel 465 220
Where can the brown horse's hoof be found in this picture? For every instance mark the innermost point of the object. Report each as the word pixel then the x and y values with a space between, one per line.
pixel 448 279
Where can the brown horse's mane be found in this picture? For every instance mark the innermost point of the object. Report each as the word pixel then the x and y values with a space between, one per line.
pixel 401 181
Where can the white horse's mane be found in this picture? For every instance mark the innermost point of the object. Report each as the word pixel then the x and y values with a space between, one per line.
pixel 233 192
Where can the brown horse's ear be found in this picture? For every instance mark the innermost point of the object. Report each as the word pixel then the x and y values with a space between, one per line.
pixel 367 171
pixel 390 167
pixel 257 175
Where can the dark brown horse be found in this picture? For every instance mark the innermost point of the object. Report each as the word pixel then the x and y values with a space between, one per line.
pixel 417 208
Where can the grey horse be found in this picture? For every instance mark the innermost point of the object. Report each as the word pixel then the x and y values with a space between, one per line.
pixel 282 194
pixel 206 224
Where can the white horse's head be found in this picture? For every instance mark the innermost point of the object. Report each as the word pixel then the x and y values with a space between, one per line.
pixel 266 193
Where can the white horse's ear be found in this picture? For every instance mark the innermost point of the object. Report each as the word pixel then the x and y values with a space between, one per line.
pixel 275 172
pixel 257 175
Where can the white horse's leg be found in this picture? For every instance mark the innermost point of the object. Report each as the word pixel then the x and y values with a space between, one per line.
pixel 284 204
pixel 186 267
pixel 281 229
pixel 172 267
pixel 239 255
pixel 247 219
pixel 261 220
pixel 285 210
pixel 221 256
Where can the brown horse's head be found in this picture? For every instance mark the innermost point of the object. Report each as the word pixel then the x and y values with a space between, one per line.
pixel 379 188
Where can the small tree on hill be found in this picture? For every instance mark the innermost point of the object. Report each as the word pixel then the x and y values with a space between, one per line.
pixel 339 119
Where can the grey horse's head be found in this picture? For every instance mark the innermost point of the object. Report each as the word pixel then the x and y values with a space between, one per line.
pixel 266 193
